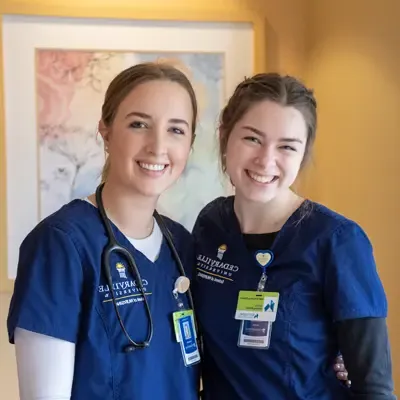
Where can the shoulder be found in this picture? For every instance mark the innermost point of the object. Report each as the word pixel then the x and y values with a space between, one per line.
pixel 180 234
pixel 216 207
pixel 352 286
pixel 51 272
pixel 326 224
pixel 72 221
pixel 214 213
pixel 183 242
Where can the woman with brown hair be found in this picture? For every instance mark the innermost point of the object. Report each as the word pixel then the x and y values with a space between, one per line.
pixel 283 284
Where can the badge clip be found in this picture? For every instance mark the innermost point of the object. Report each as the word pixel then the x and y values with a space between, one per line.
pixel 264 258
pixel 182 285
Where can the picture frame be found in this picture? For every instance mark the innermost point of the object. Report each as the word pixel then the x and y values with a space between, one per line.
pixel 107 11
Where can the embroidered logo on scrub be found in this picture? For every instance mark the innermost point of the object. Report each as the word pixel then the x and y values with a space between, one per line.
pixel 126 291
pixel 121 270
pixel 221 251
pixel 216 270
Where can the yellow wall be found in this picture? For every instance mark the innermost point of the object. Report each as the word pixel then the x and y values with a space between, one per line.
pixel 354 64
pixel 286 52
pixel 286 20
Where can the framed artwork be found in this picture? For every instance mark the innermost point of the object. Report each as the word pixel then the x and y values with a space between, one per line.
pixel 55 73
pixel 70 87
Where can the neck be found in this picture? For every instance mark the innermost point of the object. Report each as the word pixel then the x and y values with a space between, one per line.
pixel 255 217
pixel 130 212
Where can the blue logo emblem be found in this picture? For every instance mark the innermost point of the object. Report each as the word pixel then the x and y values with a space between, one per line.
pixel 270 306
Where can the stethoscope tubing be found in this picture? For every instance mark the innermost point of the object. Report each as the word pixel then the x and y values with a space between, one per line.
pixel 113 246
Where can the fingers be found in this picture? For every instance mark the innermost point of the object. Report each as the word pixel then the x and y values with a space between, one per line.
pixel 339 360
pixel 341 372
pixel 339 367
pixel 342 376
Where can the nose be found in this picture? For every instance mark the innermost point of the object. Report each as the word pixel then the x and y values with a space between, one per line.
pixel 266 157
pixel 157 142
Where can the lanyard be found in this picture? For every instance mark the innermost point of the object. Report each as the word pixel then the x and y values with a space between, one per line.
pixel 264 259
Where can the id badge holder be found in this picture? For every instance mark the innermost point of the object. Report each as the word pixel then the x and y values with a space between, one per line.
pixel 185 333
pixel 255 334
pixel 257 312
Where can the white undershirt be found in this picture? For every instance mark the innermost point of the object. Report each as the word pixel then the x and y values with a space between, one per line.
pixel 149 246
pixel 45 364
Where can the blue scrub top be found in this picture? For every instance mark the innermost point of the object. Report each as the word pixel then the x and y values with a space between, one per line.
pixel 324 271
pixel 61 292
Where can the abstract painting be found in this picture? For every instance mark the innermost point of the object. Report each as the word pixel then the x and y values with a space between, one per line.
pixel 70 87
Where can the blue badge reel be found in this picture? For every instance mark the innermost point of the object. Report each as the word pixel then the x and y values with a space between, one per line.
pixel 264 258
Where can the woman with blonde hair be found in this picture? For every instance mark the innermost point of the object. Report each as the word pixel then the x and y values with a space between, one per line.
pixel 101 282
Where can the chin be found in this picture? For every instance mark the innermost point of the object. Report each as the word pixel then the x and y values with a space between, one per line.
pixel 154 189
pixel 151 194
pixel 259 197
pixel 143 190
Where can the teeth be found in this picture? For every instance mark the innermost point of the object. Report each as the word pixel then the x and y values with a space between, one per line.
pixel 152 167
pixel 261 178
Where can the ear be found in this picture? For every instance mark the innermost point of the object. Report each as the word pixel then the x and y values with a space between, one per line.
pixel 104 132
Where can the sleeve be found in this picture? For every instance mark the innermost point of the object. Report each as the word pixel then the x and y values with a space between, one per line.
pixel 48 286
pixel 369 362
pixel 353 288
pixel 45 366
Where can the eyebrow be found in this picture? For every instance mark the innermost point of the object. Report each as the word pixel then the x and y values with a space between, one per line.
pixel 147 116
pixel 260 133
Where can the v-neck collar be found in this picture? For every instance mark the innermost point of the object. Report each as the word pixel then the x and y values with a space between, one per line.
pixel 281 242
pixel 123 241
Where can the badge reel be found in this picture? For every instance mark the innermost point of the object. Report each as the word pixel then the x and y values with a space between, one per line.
pixel 257 309
pixel 184 327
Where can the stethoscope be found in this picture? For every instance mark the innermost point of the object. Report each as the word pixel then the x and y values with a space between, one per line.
pixel 113 246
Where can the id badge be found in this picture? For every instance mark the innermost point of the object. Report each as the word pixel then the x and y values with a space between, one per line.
pixel 257 311
pixel 257 306
pixel 255 334
pixel 186 336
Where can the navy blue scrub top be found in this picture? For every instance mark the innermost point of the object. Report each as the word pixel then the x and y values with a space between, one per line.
pixel 60 292
pixel 324 271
